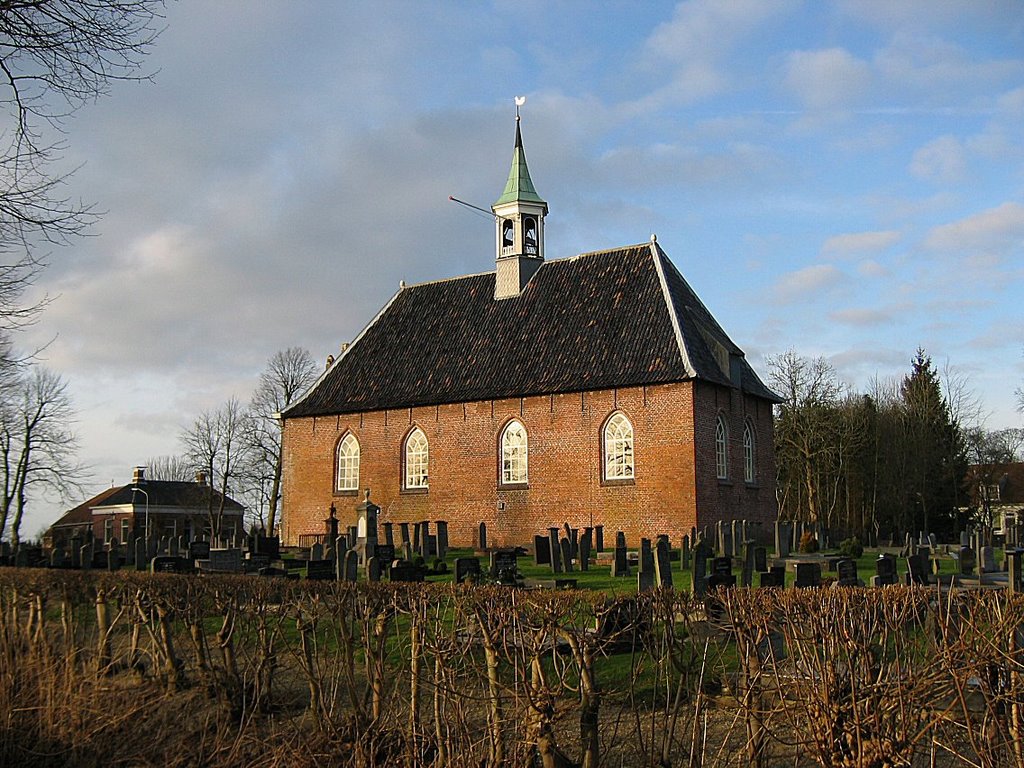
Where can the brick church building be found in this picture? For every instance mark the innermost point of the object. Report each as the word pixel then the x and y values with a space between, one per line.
pixel 595 389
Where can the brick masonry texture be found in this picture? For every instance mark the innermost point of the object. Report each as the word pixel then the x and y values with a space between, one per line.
pixel 675 485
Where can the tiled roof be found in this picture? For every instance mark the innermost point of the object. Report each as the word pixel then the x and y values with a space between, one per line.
pixel 162 493
pixel 616 318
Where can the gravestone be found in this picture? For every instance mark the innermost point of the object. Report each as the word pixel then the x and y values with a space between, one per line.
pixel 320 570
pixel 761 559
pixel 141 561
pixel 351 571
pixel 541 550
pixel 646 558
pixel 700 569
pixel 721 573
pixel 85 556
pixel 620 565
pixel 76 550
pixel 917 569
pixel 165 564
pixel 556 550
pixel 965 538
pixel 808 575
pixel 405 571
pixel 58 558
pixel 353 536
pixel 403 530
pixel 847 570
pixel 574 542
pixel 316 552
pixel 225 560
pixel 968 561
pixel 724 539
pixel 373 568
pixel 885 571
pixel 644 580
pixel 662 563
pixel 776 577
pixel 566 550
pixel 385 555
pixel 504 566
pixel 200 550
pixel 425 541
pixel 585 547
pixel 442 538
pixel 389 533
pixel 599 538
pixel 1013 570
pixel 172 547
pixel 113 559
pixel 988 560
pixel 340 547
pixel 257 563
pixel 467 568
pixel 482 537
pixel 748 564
pixel 684 554
pixel 417 537
pixel 783 538
pixel 264 545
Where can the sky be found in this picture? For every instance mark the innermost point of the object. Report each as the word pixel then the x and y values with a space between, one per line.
pixel 843 178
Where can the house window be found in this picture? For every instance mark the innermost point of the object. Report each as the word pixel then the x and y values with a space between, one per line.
pixel 618 448
pixel 722 449
pixel 125 530
pixel 416 460
pixel 513 454
pixel 348 464
pixel 108 530
pixel 749 463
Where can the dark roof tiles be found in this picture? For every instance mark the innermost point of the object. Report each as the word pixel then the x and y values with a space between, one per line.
pixel 595 321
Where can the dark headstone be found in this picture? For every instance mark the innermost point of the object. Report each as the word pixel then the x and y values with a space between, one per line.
pixel 760 559
pixel 566 549
pixel 556 550
pixel 320 570
pixel 405 571
pixel 646 560
pixel 808 575
pixel 662 563
pixel 351 572
pixel 482 536
pixel 847 570
pixel 389 533
pixel 721 573
pixel 917 567
pixel 620 565
pixel 58 558
pixel 225 560
pixel 574 543
pixel 373 568
pixel 541 550
pixel 264 545
pixel 425 537
pixel 467 568
pixel 385 553
pixel 141 560
pixel 200 550
pixel 585 547
pixel 644 580
pixel 968 561
pixel 776 577
pixel 258 563
pixel 783 538
pixel 504 566
pixel 599 538
pixel 748 564
pixel 113 559
pixel 684 554
pixel 442 538
pixel 700 569
pixel 885 570
pixel 403 529
pixel 165 564
pixel 1014 562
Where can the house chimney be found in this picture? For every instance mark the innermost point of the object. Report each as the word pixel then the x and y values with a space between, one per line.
pixel 201 478
pixel 138 475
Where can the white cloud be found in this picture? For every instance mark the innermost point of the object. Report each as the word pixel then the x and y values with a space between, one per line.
pixel 807 283
pixel 871 268
pixel 942 160
pixel 829 79
pixel 862 317
pixel 855 243
pixel 998 231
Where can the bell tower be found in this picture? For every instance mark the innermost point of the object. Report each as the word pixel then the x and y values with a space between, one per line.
pixel 519 221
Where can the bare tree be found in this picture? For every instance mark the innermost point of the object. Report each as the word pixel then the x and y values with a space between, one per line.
pixel 288 374
pixel 216 445
pixel 170 468
pixel 37 445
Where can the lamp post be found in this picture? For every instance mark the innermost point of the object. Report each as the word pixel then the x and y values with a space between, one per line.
pixel 134 489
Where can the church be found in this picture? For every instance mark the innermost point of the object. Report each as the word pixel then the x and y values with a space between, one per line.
pixel 590 390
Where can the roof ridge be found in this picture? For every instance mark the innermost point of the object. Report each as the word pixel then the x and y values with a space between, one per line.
pixel 659 268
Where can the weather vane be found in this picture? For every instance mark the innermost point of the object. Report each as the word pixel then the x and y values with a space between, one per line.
pixel 520 100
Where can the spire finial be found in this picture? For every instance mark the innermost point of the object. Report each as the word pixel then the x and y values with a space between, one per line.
pixel 520 100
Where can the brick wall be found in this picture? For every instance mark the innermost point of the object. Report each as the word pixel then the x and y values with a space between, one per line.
pixel 565 478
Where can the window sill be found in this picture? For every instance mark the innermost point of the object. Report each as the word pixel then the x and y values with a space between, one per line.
pixel 618 482
pixel 513 486
pixel 724 481
pixel 414 491
pixel 752 485
pixel 353 492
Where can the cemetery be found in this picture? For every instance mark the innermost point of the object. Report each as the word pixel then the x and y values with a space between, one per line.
pixel 384 645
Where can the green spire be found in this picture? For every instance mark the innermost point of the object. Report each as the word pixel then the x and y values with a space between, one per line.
pixel 519 187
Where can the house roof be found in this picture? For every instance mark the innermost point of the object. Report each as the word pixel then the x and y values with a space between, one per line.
pixel 162 493
pixel 616 318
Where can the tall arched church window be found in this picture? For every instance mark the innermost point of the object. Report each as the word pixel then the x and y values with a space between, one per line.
pixel 416 459
pixel 749 454
pixel 348 464
pixel 514 454
pixel 530 235
pixel 618 448
pixel 721 449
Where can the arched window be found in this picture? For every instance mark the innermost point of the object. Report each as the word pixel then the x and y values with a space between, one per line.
pixel 416 459
pixel 348 464
pixel 722 449
pixel 507 233
pixel 618 448
pixel 530 235
pixel 514 452
pixel 749 456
